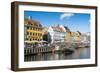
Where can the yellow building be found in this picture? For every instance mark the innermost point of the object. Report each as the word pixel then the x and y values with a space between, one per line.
pixel 68 34
pixel 67 38
pixel 76 36
pixel 32 30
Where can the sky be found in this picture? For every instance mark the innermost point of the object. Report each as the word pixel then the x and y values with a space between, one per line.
pixel 74 21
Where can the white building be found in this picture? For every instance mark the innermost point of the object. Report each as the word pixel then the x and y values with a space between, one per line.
pixel 57 33
pixel 85 37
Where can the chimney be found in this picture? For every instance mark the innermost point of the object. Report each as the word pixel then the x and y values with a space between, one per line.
pixel 30 18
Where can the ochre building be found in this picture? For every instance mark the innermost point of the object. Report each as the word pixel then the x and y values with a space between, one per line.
pixel 32 30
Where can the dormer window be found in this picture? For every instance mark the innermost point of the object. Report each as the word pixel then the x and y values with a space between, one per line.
pixel 29 23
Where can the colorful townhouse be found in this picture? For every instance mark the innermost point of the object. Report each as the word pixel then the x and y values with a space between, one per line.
pixel 57 34
pixel 32 30
pixel 76 36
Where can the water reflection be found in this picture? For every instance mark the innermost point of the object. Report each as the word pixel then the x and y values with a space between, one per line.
pixel 80 53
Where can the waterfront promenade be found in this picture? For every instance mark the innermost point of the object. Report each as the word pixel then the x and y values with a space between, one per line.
pixel 52 48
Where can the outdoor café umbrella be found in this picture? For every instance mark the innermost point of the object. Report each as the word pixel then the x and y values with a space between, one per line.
pixel 32 41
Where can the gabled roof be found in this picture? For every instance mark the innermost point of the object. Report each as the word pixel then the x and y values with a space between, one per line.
pixel 57 28
pixel 30 21
pixel 79 32
pixel 67 29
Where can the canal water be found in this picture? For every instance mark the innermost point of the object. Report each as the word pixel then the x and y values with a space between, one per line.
pixel 80 53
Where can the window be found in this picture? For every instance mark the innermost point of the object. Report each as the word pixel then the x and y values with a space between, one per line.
pixel 27 33
pixel 29 23
pixel 30 33
pixel 31 28
pixel 40 34
pixel 27 27
pixel 30 39
pixel 35 24
pixel 26 39
pixel 36 29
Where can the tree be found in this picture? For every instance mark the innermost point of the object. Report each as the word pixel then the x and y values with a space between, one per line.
pixel 47 37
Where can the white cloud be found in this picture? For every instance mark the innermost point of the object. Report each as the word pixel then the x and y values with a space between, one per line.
pixel 67 15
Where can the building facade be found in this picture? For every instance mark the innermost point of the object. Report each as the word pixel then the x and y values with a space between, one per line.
pixel 57 34
pixel 68 37
pixel 32 30
pixel 76 36
pixel 85 37
pixel 68 34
